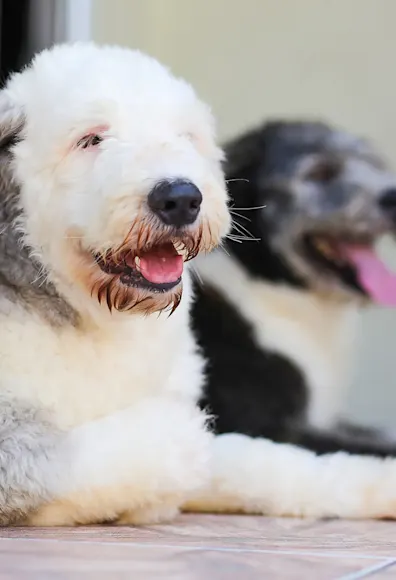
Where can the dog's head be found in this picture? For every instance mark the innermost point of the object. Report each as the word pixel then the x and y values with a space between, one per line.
pixel 322 199
pixel 119 179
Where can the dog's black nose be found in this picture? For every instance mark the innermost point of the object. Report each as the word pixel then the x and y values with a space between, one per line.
pixel 388 199
pixel 176 203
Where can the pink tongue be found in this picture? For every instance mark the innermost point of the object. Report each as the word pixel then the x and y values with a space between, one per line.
pixel 373 275
pixel 161 265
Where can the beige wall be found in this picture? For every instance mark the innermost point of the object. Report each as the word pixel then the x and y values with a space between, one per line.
pixel 257 58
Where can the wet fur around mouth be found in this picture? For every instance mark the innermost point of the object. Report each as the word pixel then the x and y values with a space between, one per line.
pixel 122 287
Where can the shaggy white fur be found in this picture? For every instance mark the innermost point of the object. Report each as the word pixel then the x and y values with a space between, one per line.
pixel 116 435
pixel 257 476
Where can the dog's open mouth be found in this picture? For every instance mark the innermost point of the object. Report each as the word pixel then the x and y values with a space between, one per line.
pixel 158 268
pixel 356 263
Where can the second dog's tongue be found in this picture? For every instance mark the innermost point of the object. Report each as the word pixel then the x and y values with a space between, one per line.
pixel 373 275
pixel 161 264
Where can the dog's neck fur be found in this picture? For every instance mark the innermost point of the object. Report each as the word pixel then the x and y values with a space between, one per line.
pixel 313 331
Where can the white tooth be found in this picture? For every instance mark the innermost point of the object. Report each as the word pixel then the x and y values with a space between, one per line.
pixel 324 247
pixel 137 262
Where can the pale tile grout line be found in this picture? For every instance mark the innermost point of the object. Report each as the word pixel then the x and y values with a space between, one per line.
pixel 366 572
pixel 147 545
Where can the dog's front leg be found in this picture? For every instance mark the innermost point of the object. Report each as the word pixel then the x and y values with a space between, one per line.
pixel 258 476
pixel 145 460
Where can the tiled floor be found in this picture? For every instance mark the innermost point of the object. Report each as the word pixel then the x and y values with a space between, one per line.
pixel 204 547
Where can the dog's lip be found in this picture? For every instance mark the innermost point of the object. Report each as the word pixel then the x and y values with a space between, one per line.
pixel 157 268
pixel 323 250
pixel 355 261
pixel 331 247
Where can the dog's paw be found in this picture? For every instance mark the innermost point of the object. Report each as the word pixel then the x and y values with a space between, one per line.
pixel 160 446
pixel 177 448
pixel 139 464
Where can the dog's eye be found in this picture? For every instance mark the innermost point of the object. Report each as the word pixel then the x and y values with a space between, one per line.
pixel 89 141
pixel 323 172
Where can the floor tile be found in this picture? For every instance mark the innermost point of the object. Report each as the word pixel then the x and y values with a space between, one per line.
pixel 64 560
pixel 203 546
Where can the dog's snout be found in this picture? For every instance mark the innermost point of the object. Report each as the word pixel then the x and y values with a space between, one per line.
pixel 387 199
pixel 176 203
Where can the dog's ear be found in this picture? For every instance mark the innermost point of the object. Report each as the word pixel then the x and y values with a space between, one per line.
pixel 242 154
pixel 246 158
pixel 11 122
pixel 248 153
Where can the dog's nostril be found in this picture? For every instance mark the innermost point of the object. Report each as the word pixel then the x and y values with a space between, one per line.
pixel 175 202
pixel 170 205
pixel 388 199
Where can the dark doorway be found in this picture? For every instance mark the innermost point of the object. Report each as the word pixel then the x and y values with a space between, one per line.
pixel 14 29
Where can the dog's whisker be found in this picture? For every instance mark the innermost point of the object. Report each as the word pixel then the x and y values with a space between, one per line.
pixel 237 179
pixel 241 227
pixel 249 208
pixel 242 230
pixel 233 239
pixel 244 217
pixel 224 249
pixel 242 238
pixel 197 275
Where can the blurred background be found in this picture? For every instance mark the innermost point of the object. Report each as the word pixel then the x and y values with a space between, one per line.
pixel 252 60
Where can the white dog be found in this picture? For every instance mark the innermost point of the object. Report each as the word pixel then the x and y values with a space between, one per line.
pixel 110 180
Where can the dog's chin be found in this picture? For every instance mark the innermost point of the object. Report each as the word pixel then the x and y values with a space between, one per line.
pixel 113 293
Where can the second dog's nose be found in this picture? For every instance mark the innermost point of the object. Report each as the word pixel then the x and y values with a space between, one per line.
pixel 176 203
pixel 388 199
